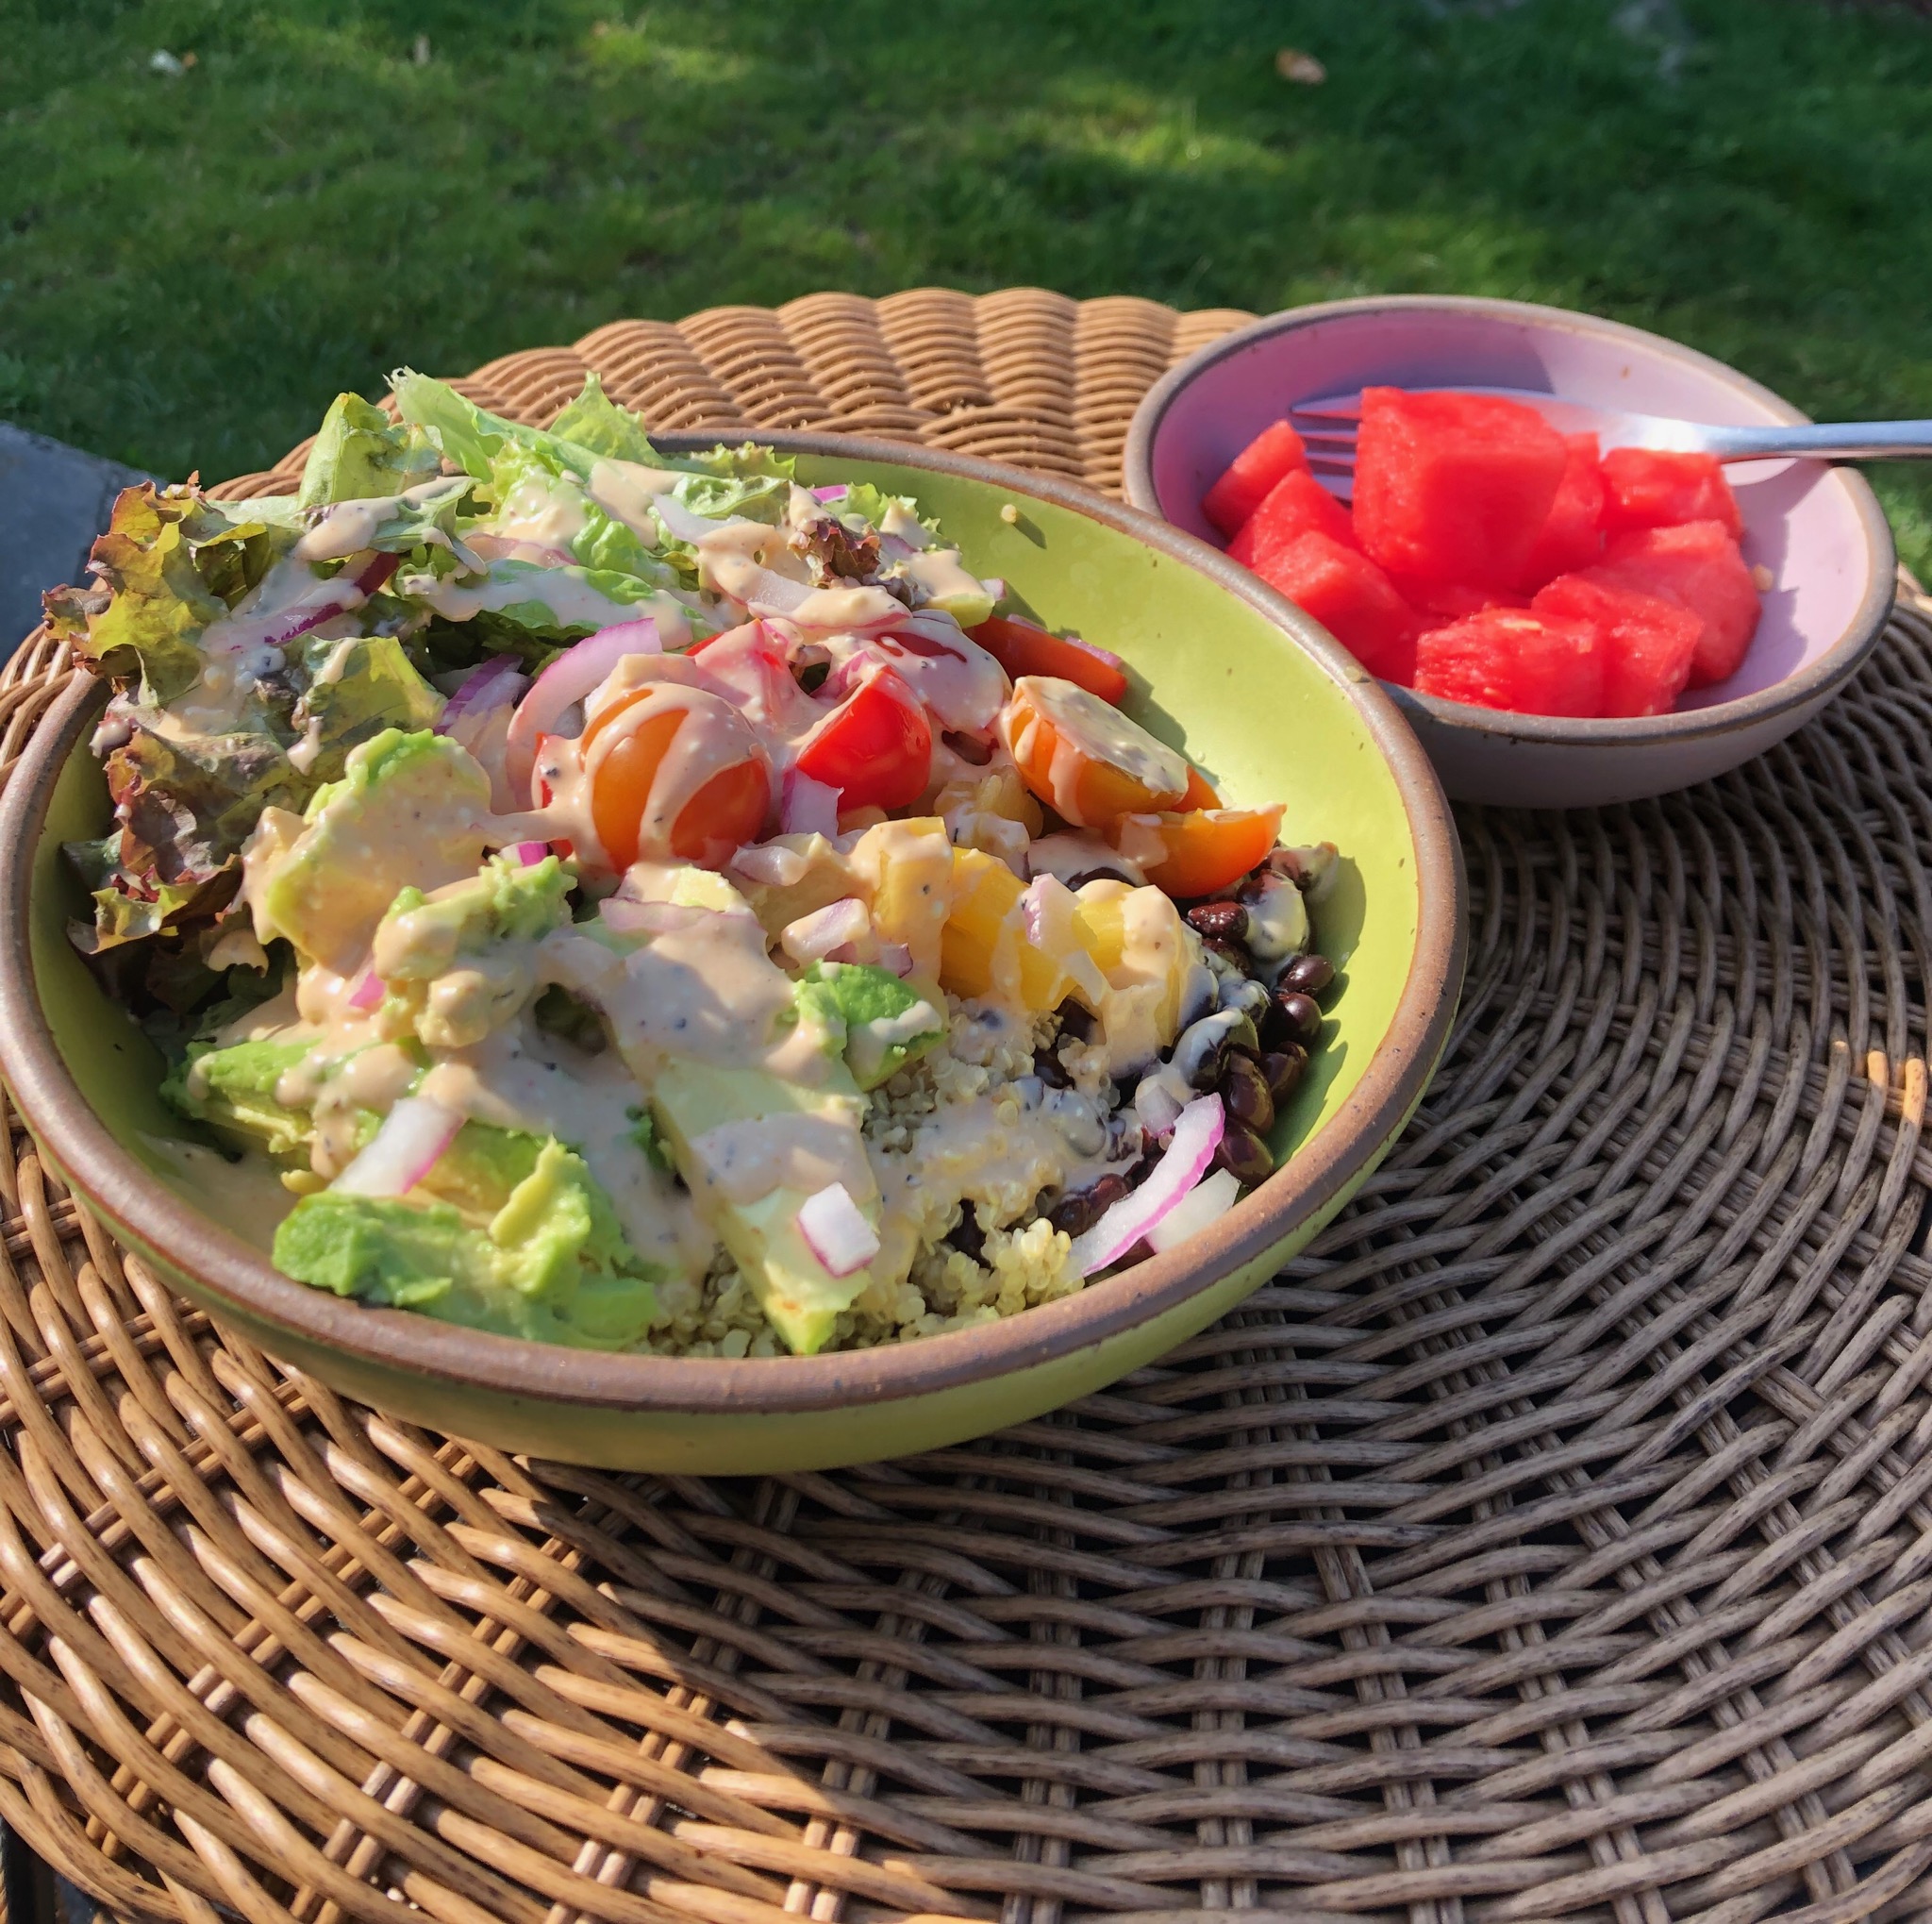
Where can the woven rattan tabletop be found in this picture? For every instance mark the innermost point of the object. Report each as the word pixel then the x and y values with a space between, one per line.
pixel 1553 1540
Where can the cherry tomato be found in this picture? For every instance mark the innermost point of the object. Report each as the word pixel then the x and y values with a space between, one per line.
pixel 1200 852
pixel 1200 792
pixel 875 747
pixel 1086 760
pixel 1021 648
pixel 700 804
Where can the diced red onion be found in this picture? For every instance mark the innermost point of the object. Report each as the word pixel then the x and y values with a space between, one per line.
pixel 833 493
pixel 405 1149
pixel 568 680
pixel 771 868
pixel 528 853
pixel 367 993
pixel 1211 1198
pixel 896 957
pixel 813 937
pixel 1157 1108
pixel 499 547
pixel 995 585
pixel 835 1231
pixel 485 689
pixel 1197 1134
pixel 808 807
pixel 768 594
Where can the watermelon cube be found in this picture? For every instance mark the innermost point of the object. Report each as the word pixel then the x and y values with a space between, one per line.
pixel 1451 603
pixel 1296 505
pixel 1273 453
pixel 1698 566
pixel 1647 644
pixel 1453 488
pixel 1508 658
pixel 1350 597
pixel 1571 533
pixel 1648 486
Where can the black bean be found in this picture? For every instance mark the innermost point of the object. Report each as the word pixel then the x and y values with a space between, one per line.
pixel 1307 975
pixel 967 1236
pixel 1282 1070
pixel 1075 1021
pixel 1077 1214
pixel 1051 1070
pixel 1228 920
pixel 1244 1154
pixel 1244 1092
pixel 1233 954
pixel 1302 1014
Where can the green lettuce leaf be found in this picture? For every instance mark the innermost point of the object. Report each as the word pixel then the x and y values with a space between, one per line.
pixel 595 422
pixel 360 454
pixel 357 687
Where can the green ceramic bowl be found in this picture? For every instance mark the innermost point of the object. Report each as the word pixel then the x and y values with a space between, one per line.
pixel 1246 683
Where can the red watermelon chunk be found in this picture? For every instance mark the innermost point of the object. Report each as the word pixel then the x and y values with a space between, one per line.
pixel 1350 597
pixel 1698 566
pixel 1648 486
pixel 1296 505
pixel 1647 644
pixel 1571 533
pixel 1508 658
pixel 1451 603
pixel 1273 453
pixel 1453 488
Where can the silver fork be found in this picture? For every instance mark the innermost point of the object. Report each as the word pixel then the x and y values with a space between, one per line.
pixel 1328 424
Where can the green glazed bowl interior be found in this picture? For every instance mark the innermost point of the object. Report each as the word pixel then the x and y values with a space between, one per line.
pixel 1221 666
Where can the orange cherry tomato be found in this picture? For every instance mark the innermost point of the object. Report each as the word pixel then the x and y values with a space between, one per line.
pixel 1086 760
pixel 1021 648
pixel 1200 792
pixel 1201 851
pixel 700 803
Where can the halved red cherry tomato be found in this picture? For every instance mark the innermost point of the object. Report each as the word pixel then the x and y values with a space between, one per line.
pixel 875 747
pixel 729 786
pixel 1201 852
pixel 1022 648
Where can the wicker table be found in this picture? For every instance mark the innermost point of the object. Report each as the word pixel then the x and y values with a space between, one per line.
pixel 1553 1540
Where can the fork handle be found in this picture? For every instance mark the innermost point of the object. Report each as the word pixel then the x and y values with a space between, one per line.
pixel 1828 441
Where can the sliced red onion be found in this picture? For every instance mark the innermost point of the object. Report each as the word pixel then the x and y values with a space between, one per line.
pixel 768 594
pixel 813 937
pixel 405 1149
pixel 566 681
pixel 771 868
pixel 1211 1197
pixel 528 853
pixel 808 807
pixel 684 524
pixel 375 570
pixel 367 993
pixel 833 493
pixel 896 957
pixel 1197 1133
pixel 835 1231
pixel 501 547
pixel 490 686
pixel 625 918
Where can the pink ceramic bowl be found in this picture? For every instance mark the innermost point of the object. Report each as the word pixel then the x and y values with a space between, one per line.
pixel 1817 527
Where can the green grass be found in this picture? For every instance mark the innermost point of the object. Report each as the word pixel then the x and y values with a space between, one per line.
pixel 190 267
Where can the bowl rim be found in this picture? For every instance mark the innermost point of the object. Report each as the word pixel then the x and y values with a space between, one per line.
pixel 148 1212
pixel 1807 684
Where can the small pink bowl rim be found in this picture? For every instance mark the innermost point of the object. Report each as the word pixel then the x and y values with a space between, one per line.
pixel 1808 683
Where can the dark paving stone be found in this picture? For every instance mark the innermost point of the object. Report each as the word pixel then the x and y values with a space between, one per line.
pixel 54 500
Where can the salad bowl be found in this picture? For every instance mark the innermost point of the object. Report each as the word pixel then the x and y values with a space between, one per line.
pixel 1815 529
pixel 1219 665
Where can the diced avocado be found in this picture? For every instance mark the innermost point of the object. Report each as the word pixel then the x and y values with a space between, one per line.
pixel 880 1022
pixel 722 1124
pixel 551 1264
pixel 409 807
pixel 233 1090
pixel 421 935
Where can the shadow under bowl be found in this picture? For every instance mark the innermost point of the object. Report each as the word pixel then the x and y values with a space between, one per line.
pixel 1818 528
pixel 1220 664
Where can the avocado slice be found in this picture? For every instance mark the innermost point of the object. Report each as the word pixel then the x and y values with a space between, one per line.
pixel 233 1090
pixel 550 1264
pixel 409 809
pixel 883 1022
pixel 730 1129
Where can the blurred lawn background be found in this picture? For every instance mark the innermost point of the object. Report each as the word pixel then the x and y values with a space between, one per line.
pixel 192 262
